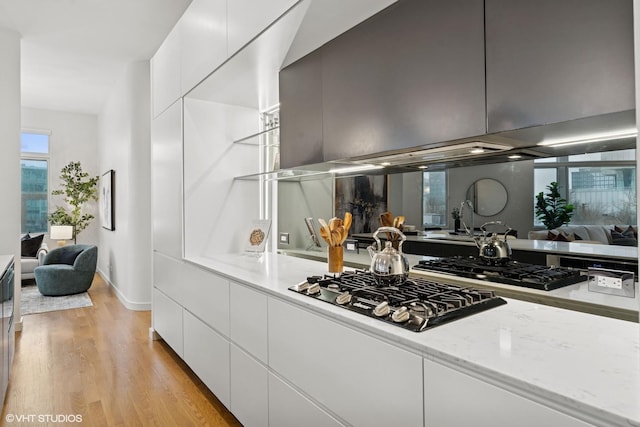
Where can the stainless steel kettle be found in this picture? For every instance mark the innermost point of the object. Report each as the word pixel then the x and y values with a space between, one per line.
pixel 493 249
pixel 389 266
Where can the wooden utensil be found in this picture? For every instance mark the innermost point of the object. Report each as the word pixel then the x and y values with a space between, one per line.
pixel 334 223
pixel 325 231
pixel 347 221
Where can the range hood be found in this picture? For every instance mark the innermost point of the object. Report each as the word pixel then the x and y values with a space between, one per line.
pixel 577 137
pixel 441 153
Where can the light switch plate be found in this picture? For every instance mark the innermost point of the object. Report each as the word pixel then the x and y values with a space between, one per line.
pixel 284 238
pixel 351 245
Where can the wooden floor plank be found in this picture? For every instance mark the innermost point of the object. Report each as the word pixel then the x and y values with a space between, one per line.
pixel 98 363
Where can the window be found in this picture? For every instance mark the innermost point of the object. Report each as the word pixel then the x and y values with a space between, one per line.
pixel 601 186
pixel 434 199
pixel 34 181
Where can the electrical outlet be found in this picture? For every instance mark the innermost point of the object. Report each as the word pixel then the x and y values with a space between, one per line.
pixel 284 238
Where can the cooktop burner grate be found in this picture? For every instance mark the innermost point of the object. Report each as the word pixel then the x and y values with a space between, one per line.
pixel 511 273
pixel 416 304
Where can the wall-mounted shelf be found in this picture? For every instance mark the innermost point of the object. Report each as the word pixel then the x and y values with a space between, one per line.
pixel 254 140
pixel 282 175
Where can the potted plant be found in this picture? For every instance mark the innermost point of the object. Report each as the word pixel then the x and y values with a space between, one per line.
pixel 455 214
pixel 551 209
pixel 78 189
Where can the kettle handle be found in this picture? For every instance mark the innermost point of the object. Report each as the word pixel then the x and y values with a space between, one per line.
pixel 389 230
pixel 484 230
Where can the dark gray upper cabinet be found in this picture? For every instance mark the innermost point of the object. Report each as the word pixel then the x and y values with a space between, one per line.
pixel 549 61
pixel 301 112
pixel 411 75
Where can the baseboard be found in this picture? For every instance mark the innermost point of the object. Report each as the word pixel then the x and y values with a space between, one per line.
pixel 17 326
pixel 130 305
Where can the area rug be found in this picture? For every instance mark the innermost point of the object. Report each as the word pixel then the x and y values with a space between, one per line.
pixel 32 301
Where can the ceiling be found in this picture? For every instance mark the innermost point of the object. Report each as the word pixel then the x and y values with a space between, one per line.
pixel 74 51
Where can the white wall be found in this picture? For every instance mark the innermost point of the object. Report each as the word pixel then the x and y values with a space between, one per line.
pixel 10 146
pixel 74 137
pixel 124 256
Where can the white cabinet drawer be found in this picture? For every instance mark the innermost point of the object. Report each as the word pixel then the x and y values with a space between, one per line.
pixel 206 295
pixel 364 381
pixel 167 321
pixel 288 408
pixel 249 389
pixel 248 317
pixel 485 405
pixel 207 353
pixel 167 276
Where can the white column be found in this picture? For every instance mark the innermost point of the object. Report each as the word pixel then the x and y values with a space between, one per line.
pixel 10 151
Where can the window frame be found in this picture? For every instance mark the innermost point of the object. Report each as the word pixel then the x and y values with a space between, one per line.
pixel 26 155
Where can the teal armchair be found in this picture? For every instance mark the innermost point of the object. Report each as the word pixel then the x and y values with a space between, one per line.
pixel 67 270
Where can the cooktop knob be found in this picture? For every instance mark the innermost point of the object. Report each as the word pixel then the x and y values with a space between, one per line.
pixel 382 309
pixel 400 315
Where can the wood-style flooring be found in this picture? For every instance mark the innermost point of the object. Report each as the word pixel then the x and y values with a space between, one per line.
pixel 99 363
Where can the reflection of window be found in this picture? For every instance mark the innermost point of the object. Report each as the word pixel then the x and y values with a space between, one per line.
pixel 434 199
pixel 601 186
pixel 34 181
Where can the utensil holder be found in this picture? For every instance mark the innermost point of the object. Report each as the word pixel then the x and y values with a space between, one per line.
pixel 335 258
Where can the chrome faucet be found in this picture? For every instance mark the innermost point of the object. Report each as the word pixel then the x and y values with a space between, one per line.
pixel 470 205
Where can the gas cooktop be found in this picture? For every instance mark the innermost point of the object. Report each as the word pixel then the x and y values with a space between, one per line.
pixel 511 273
pixel 416 304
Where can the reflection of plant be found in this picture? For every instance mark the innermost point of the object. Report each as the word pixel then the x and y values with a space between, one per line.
pixel 455 213
pixel 78 189
pixel 551 209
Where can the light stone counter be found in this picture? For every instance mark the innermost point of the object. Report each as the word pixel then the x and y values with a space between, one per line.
pixel 583 365
pixel 5 261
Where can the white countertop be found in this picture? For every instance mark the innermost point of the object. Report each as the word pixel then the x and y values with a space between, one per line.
pixel 5 260
pixel 579 363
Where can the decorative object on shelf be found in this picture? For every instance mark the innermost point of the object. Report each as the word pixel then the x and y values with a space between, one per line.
pixel 78 189
pixel 335 233
pixel 455 214
pixel 552 209
pixel 365 197
pixel 257 235
pixel 61 233
pixel 107 198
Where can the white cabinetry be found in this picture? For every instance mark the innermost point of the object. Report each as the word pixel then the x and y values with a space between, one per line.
pixel 247 18
pixel 206 295
pixel 166 181
pixel 288 408
pixel 167 276
pixel 167 321
pixel 249 389
pixel 248 328
pixel 203 41
pixel 346 371
pixel 207 353
pixel 165 72
pixel 455 399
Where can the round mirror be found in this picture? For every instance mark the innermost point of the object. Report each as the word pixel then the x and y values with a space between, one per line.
pixel 489 197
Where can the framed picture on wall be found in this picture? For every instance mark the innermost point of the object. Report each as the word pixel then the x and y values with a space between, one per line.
pixel 365 197
pixel 107 187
